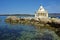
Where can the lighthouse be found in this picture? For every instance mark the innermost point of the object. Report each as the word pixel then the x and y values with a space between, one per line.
pixel 41 13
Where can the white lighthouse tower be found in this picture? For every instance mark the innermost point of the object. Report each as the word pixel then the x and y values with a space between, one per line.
pixel 41 13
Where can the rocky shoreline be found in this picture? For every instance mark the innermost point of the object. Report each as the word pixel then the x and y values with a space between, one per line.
pixel 51 23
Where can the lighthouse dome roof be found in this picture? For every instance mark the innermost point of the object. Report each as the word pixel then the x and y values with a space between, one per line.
pixel 41 10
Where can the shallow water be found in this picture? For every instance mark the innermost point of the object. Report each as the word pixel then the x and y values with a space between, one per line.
pixel 23 32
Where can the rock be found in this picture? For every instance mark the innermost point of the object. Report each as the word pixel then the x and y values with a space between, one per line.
pixel 55 20
pixel 12 19
pixel 44 20
pixel 58 32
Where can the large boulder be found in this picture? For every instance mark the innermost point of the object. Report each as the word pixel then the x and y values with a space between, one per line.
pixel 44 20
pixel 12 19
pixel 55 20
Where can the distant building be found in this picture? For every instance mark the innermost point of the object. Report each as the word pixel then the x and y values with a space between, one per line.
pixel 41 13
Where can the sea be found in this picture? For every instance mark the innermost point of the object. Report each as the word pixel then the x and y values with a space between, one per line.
pixel 24 32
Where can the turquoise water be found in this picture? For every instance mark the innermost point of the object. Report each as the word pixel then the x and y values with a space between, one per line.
pixel 23 32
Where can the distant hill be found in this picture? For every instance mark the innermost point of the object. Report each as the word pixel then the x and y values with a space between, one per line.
pixel 54 14
pixel 50 14
pixel 16 15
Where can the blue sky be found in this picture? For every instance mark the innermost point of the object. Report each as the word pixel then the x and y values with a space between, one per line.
pixel 28 6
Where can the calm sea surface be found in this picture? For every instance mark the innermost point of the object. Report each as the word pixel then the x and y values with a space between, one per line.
pixel 23 32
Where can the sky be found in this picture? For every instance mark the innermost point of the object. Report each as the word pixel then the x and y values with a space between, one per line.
pixel 28 6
